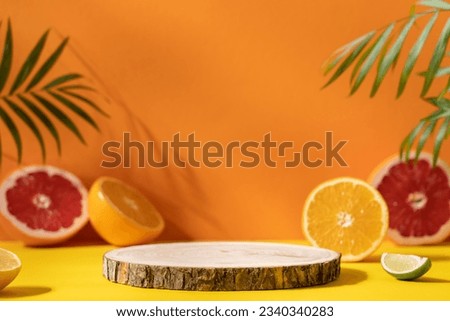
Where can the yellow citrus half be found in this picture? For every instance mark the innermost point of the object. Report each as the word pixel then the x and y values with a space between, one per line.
pixel 346 215
pixel 9 267
pixel 121 215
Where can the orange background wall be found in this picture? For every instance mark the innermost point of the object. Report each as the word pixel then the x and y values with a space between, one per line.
pixel 226 70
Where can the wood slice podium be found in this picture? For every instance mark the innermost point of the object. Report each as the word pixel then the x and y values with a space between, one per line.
pixel 221 266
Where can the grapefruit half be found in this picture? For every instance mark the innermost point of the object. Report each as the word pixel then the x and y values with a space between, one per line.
pixel 42 205
pixel 418 198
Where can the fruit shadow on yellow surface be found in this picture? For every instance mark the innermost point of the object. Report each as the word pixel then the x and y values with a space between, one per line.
pixel 348 277
pixel 372 259
pixel 23 291
pixel 426 279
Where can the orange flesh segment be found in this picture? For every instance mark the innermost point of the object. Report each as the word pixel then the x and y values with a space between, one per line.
pixel 131 203
pixel 346 217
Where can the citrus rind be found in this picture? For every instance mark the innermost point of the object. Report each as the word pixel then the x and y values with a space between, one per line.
pixel 112 224
pixel 413 266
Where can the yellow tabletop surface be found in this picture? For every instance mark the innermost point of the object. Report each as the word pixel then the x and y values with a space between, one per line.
pixel 74 273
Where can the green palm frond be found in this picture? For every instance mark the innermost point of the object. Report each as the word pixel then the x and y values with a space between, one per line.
pixel 379 51
pixel 414 54
pixel 37 102
pixel 440 118
pixel 438 4
pixel 5 65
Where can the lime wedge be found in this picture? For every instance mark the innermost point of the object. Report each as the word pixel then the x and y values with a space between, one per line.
pixel 405 267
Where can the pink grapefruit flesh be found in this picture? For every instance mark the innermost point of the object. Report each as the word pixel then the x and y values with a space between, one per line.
pixel 418 198
pixel 42 205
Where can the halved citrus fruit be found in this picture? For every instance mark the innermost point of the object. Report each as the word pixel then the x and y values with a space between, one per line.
pixel 122 215
pixel 9 267
pixel 346 215
pixel 404 266
pixel 42 205
pixel 418 197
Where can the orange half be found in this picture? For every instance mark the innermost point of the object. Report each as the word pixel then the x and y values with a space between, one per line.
pixel 122 215
pixel 346 215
